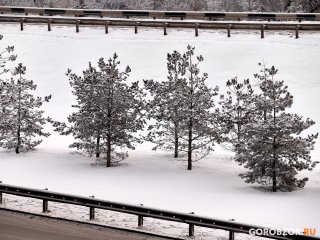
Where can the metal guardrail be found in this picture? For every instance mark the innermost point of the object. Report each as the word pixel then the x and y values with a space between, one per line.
pixel 162 14
pixel 141 211
pixel 163 23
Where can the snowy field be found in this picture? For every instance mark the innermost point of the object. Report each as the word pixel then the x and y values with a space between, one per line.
pixel 155 179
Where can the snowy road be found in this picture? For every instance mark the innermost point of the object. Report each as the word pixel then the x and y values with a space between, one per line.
pixel 23 227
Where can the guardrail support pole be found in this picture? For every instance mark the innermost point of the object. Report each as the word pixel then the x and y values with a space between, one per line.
pixel 107 26
pixel 92 213
pixel 1 197
pixel 45 206
pixel 21 23
pixel 165 29
pixel 77 25
pixel 136 27
pixel 140 221
pixel 231 235
pixel 262 30
pixel 191 230
pixel 196 29
pixel 297 31
pixel 229 30
pixel 49 24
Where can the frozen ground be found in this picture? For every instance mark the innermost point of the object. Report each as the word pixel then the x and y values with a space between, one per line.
pixel 155 179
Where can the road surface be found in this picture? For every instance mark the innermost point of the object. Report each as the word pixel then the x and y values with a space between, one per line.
pixel 16 226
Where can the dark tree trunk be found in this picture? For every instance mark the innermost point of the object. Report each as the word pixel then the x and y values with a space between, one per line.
pixel 19 120
pixel 190 145
pixel 18 140
pixel 176 142
pixel 274 170
pixel 274 173
pixel 98 147
pixel 108 150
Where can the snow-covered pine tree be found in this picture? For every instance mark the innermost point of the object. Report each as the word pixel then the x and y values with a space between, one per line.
pixel 6 56
pixel 166 107
pixel 110 112
pixel 237 110
pixel 87 122
pixel 123 109
pixel 275 151
pixel 200 117
pixel 23 120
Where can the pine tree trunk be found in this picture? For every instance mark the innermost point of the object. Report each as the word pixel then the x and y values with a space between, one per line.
pixel 190 145
pixel 108 150
pixel 18 139
pixel 263 168
pixel 98 147
pixel 176 142
pixel 19 120
pixel 274 170
pixel 274 173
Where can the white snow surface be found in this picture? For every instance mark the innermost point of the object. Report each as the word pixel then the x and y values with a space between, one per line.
pixel 155 179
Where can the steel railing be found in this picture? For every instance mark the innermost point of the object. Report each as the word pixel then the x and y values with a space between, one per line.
pixel 162 14
pixel 141 211
pixel 163 23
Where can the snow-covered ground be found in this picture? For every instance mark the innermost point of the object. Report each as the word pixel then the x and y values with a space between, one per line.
pixel 155 179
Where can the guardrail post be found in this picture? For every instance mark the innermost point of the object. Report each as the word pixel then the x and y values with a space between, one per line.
pixel 77 25
pixel 92 212
pixel 231 235
pixel 165 29
pixel 297 31
pixel 107 23
pixel 140 219
pixel 191 228
pixel 136 27
pixel 21 23
pixel 49 24
pixel 229 30
pixel 196 29
pixel 262 30
pixel 45 204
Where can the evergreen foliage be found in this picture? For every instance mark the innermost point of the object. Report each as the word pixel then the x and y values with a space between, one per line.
pixel 21 119
pixel 109 111
pixel 270 144
pixel 183 107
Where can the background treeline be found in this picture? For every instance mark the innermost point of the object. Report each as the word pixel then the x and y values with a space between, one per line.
pixel 310 6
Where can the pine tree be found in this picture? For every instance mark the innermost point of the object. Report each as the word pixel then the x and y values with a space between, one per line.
pixel 166 107
pixel 275 151
pixel 22 120
pixel 110 112
pixel 183 107
pixel 237 111
pixel 202 129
